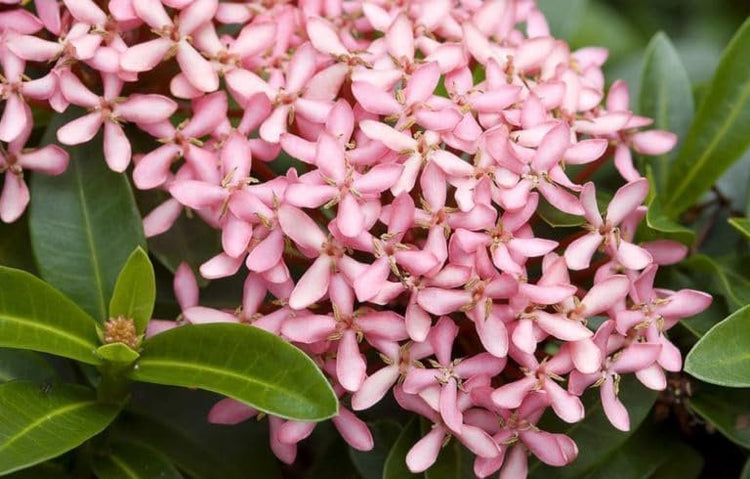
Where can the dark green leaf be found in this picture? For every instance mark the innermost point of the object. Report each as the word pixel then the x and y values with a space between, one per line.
pixel 666 96
pixel 84 225
pixel 190 239
pixel 117 352
pixel 454 462
pixel 728 410
pixel 39 423
pixel 33 315
pixel 243 362
pixel 20 364
pixel 370 464
pixel 130 460
pixel 15 245
pixel 746 471
pixel 395 464
pixel 719 277
pixel 135 291
pixel 556 218
pixel 649 454
pixel 718 136
pixel 596 438
pixel 742 225
pixel 722 356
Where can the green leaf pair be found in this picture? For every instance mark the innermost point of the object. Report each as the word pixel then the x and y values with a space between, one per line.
pixel 240 361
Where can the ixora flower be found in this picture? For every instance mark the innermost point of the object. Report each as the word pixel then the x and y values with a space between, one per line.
pixel 403 249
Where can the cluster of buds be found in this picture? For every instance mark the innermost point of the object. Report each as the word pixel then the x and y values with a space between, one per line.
pixel 424 137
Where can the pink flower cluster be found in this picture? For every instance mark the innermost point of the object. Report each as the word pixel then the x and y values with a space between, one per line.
pixel 423 137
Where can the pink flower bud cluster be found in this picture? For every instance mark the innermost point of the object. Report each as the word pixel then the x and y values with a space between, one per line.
pixel 399 246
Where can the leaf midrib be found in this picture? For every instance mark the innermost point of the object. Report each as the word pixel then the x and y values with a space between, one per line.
pixel 717 138
pixel 47 417
pixel 123 466
pixel 222 372
pixel 45 327
pixel 101 301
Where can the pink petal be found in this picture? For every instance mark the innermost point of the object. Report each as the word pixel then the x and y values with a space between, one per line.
pixel 603 296
pixel 613 408
pixel 626 200
pixel 354 431
pixel 375 387
pixel 116 147
pixel 350 365
pixel 425 452
pixel 375 100
pixel 14 198
pixel 313 285
pixel 308 328
pixel 300 228
pixel 50 160
pixel 143 57
pixel 80 130
pixel 578 254
pixel 511 395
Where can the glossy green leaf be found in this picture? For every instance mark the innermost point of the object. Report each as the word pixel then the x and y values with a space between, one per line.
pixel 596 438
pixel 370 464
pixel 84 225
pixel 129 460
pixel 39 423
pixel 135 291
pixel 395 464
pixel 666 96
pixel 117 352
pixel 718 136
pixel 20 364
pixel 649 454
pixel 728 410
pixel 33 315
pixel 742 225
pixel 722 356
pixel 243 362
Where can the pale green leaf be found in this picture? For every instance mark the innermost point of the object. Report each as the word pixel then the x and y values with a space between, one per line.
pixel 135 291
pixel 722 356
pixel 742 225
pixel 117 352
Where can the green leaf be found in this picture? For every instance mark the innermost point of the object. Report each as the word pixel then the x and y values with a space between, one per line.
pixel 242 362
pixel 130 460
pixel 454 462
pixel 37 424
pixel 117 352
pixel 189 239
pixel 15 246
pixel 718 136
pixel 650 454
pixel 719 277
pixel 370 464
pixel 563 16
pixel 596 438
pixel 84 224
pixel 746 471
pixel 722 356
pixel 742 225
pixel 189 454
pixel 395 464
pixel 666 96
pixel 20 364
pixel 728 410
pixel 33 315
pixel 665 227
pixel 135 291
